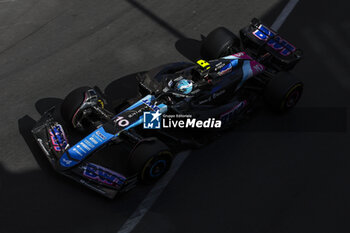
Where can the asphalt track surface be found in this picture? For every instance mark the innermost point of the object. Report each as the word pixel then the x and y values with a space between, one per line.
pixel 286 173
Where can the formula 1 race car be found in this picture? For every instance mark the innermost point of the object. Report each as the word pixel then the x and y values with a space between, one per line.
pixel 109 149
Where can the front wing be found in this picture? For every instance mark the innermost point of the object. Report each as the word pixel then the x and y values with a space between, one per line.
pixel 51 138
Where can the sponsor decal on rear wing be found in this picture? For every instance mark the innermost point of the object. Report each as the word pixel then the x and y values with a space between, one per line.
pixel 275 41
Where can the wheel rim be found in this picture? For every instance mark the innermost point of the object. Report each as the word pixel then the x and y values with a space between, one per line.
pixel 293 96
pixel 158 168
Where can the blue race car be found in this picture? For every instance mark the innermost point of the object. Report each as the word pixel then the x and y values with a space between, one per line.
pixel 107 148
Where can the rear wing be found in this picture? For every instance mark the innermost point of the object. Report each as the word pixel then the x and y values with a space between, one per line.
pixel 262 40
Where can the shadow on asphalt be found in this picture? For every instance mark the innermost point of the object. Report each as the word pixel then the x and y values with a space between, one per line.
pixel 43 105
pixel 189 48
pixel 25 125
pixel 156 19
pixel 121 89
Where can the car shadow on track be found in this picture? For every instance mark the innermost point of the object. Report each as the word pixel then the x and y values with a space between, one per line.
pixel 189 48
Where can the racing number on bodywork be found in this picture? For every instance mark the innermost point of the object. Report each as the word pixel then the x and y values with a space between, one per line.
pixel 122 122
pixel 204 64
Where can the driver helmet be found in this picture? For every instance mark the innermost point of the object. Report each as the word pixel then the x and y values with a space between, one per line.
pixel 184 86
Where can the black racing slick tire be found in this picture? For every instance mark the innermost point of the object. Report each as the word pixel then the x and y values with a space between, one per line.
pixel 283 92
pixel 151 159
pixel 220 42
pixel 72 103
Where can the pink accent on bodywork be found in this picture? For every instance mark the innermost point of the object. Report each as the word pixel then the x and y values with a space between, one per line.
pixel 240 104
pixel 240 55
pixel 256 67
pixel 56 145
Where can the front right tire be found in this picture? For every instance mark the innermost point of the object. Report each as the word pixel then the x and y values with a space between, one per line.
pixel 219 43
pixel 151 159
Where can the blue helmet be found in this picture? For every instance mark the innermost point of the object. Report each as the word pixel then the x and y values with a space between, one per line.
pixel 184 86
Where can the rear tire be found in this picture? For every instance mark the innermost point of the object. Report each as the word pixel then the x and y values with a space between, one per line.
pixel 283 92
pixel 151 159
pixel 219 43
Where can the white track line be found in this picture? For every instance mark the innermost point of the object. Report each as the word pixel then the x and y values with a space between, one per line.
pixel 284 14
pixel 158 188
